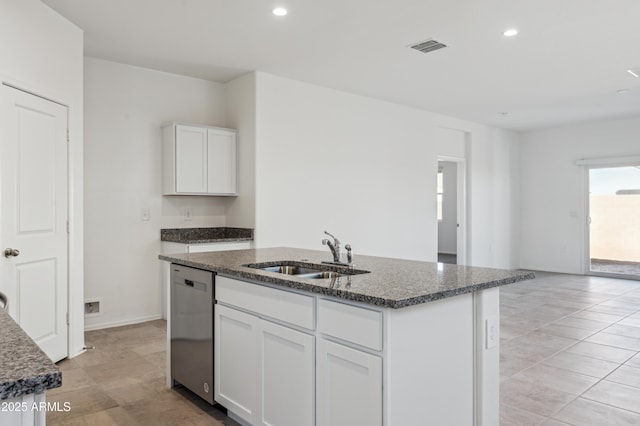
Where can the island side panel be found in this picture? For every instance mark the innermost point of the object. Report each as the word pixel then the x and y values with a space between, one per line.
pixel 166 278
pixel 429 363
pixel 487 357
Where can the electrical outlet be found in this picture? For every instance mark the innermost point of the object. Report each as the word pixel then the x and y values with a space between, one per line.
pixel 188 213
pixel 145 214
pixel 492 331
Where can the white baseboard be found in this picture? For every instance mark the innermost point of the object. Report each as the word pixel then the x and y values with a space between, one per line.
pixel 120 323
pixel 75 355
pixel 553 270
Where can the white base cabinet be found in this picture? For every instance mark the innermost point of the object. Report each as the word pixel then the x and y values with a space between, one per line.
pixel 349 386
pixel 236 348
pixel 286 376
pixel 284 357
pixel 264 372
pixel 171 247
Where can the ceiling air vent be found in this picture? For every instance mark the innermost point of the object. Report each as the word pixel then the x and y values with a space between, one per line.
pixel 428 46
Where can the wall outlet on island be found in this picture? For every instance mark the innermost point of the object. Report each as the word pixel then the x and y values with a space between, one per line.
pixel 492 331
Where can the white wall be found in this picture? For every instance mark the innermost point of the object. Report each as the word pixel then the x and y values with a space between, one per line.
pixel 241 115
pixel 366 170
pixel 493 185
pixel 324 159
pixel 41 52
pixel 124 109
pixel 447 227
pixel 553 213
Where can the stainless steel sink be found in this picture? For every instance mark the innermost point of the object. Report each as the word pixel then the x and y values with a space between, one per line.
pixel 321 275
pixel 290 270
pixel 306 270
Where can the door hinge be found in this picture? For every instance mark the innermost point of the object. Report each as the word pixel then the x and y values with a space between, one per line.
pixel 68 137
pixel 67 227
pixel 67 318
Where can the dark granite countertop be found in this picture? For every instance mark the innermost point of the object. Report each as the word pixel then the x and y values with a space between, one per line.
pixel 205 235
pixel 24 368
pixel 392 283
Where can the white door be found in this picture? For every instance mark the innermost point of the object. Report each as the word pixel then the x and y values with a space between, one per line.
pixel 287 372
pixel 349 386
pixel 33 216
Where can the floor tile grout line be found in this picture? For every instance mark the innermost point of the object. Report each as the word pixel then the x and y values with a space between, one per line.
pixel 581 310
pixel 591 333
pixel 564 406
pixel 620 383
pixel 610 405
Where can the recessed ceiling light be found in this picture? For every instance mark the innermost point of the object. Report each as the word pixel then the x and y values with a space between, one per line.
pixel 622 91
pixel 279 11
pixel 634 72
pixel 510 32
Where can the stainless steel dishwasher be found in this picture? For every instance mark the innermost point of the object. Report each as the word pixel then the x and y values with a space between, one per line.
pixel 192 330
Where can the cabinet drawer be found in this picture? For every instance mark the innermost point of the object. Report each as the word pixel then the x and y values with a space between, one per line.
pixel 282 305
pixel 350 323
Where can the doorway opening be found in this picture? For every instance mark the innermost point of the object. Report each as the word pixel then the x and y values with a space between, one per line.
pixel 450 210
pixel 614 221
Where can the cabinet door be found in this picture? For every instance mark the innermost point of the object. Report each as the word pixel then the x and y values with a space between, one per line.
pixel 349 386
pixel 286 376
pixel 236 361
pixel 191 159
pixel 222 162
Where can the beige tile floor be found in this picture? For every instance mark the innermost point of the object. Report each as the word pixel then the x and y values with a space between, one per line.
pixel 569 356
pixel 570 351
pixel 122 382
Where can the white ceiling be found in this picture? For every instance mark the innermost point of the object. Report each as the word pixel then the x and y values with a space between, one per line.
pixel 565 66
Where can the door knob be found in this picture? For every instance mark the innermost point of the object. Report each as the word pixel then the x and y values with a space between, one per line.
pixel 11 252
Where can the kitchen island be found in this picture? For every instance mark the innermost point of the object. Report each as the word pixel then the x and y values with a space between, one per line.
pixel 387 342
pixel 25 374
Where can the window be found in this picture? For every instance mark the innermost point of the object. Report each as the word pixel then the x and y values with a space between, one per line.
pixel 439 193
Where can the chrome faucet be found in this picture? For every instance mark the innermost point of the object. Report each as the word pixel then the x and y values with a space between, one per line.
pixel 347 247
pixel 333 246
pixel 335 251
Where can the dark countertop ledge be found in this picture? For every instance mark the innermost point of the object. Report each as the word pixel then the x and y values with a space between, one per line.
pixel 392 283
pixel 25 369
pixel 205 235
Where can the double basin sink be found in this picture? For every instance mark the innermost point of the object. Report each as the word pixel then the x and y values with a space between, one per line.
pixel 306 270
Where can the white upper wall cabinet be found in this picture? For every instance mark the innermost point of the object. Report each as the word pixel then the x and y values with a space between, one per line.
pixel 190 147
pixel 198 160
pixel 221 156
